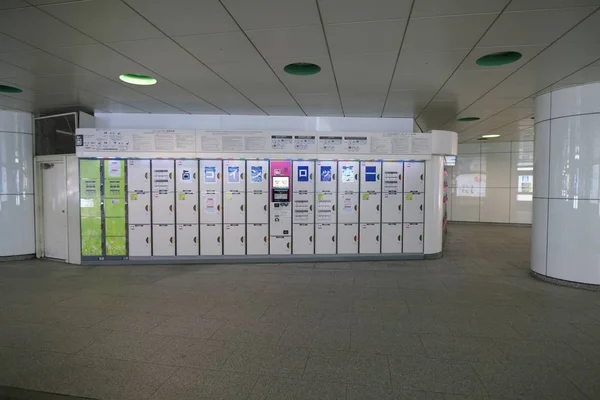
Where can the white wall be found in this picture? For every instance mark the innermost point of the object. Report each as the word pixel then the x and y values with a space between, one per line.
pixel 252 122
pixel 485 183
pixel 17 231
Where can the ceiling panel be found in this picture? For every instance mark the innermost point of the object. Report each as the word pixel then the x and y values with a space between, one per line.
pixel 12 71
pixel 435 8
pixel 107 88
pixel 430 61
pixel 231 47
pixel 320 103
pixel 362 104
pixel 367 73
pixel 418 81
pixel 185 17
pixel 155 107
pixel 8 4
pixel 323 82
pixel 48 32
pixel 8 44
pixel 44 85
pixel 269 14
pixel 365 37
pixel 14 104
pixel 237 74
pixel 299 42
pixel 336 11
pixel 533 27
pixel 520 5
pixel 440 33
pixel 104 20
pixel 44 2
pixel 40 63
pixel 528 52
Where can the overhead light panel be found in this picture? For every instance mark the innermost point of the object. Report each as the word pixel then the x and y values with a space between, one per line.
pixel 497 59
pixel 302 68
pixel 9 89
pixel 138 79
pixel 490 136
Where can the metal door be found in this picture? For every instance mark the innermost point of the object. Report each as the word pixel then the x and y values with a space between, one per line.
pixel 347 239
pixel 348 172
pixel 163 209
pixel 391 238
pixel 140 240
pixel 348 208
pixel 234 239
pixel 391 207
pixel 370 207
pixel 414 206
pixel 325 239
pixel 304 209
pixel 326 176
pixel 393 174
pixel 257 239
pixel 234 207
pixel 163 240
pixel 187 208
pixel 234 175
pixel 257 209
pixel 211 175
pixel 304 176
pixel 257 173
pixel 186 172
pixel 414 177
pixel 370 176
pixel 413 238
pixel 163 174
pixel 188 240
pixel 370 239
pixel 211 208
pixel 211 241
pixel 138 175
pixel 303 241
pixel 326 208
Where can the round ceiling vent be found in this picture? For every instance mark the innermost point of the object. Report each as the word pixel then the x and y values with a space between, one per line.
pixel 10 89
pixel 468 119
pixel 302 69
pixel 138 79
pixel 497 59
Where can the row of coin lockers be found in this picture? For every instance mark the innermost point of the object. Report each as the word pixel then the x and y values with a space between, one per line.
pixel 216 207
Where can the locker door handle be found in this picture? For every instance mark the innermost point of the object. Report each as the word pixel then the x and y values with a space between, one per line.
pixel 242 176
pixel 355 238
pixel 195 208
pixel 333 207
pixel 311 207
pixel 218 175
pixel 377 207
pixel 242 239
pixel 288 245
pixel 311 176
pixel 147 208
pixel 195 239
pixel 421 207
pixel 333 238
pixel 242 207
pixel 378 176
pixel 399 208
pixel 420 237
pixel 310 239
pixel 146 175
pixel 377 238
pixel 194 175
pixel 421 176
pixel 171 208
pixel 356 177
pixel 399 238
pixel 170 175
pixel 333 177
pixel 171 239
pixel 355 207
pixel 218 239
pixel 265 176
pixel 265 239
pixel 400 177
pixel 265 207
pixel 147 240
pixel 219 207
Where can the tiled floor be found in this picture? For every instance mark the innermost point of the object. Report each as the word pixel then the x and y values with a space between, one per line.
pixel 473 325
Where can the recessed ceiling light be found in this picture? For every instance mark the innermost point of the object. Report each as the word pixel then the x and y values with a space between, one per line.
pixel 138 79
pixel 490 136
pixel 9 89
pixel 302 69
pixel 468 119
pixel 481 138
pixel 497 59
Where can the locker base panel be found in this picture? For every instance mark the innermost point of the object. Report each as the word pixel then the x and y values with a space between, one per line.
pixel 261 259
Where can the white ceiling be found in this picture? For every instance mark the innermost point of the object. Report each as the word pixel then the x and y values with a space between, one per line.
pixel 379 58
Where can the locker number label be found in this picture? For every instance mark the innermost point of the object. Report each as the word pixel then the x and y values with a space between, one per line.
pixel 256 174
pixel 370 174
pixel 210 174
pixel 302 173
pixel 233 174
pixel 326 174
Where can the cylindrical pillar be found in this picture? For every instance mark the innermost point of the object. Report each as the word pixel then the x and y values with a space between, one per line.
pixel 17 226
pixel 566 202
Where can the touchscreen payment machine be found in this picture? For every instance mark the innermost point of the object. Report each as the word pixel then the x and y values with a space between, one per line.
pixel 281 197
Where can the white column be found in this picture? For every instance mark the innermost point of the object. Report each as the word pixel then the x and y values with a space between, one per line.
pixel 566 204
pixel 17 231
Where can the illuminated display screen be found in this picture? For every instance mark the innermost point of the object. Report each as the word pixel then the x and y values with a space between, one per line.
pixel 281 182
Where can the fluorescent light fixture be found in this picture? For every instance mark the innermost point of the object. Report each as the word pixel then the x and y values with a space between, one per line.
pixel 138 79
pixel 490 136
pixel 524 168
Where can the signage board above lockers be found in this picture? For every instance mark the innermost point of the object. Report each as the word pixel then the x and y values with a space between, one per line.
pixel 139 143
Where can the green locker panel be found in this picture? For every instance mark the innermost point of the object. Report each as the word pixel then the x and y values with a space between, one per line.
pixel 91 226
pixel 114 179
pixel 90 207
pixel 116 246
pixel 91 245
pixel 114 208
pixel 115 227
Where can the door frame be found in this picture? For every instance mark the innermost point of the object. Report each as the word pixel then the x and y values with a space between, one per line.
pixel 40 251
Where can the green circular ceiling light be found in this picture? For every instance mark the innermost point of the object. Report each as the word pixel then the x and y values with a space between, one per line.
pixel 468 119
pixel 138 79
pixel 497 59
pixel 9 89
pixel 302 69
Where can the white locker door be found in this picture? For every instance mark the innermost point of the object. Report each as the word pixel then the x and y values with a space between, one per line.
pixel 370 176
pixel 370 239
pixel 391 238
pixel 348 208
pixel 281 245
pixel 257 239
pixel 414 177
pixel 234 175
pixel 413 207
pixel 138 175
pixel 370 207
pixel 187 240
pixel 187 208
pixel 303 241
pixel 235 239
pixel 348 176
pixel 391 207
pixel 393 172
pixel 413 238
pixel 257 172
pixel 347 238
pixel 257 208
pixel 163 240
pixel 304 207
pixel 281 219
pixel 139 208
pixel 234 207
pixel 304 176
pixel 326 208
pixel 326 241
pixel 163 174
pixel 326 175
pixel 211 242
pixel 163 208
pixel 186 172
pixel 211 174
pixel 211 208
pixel 140 240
